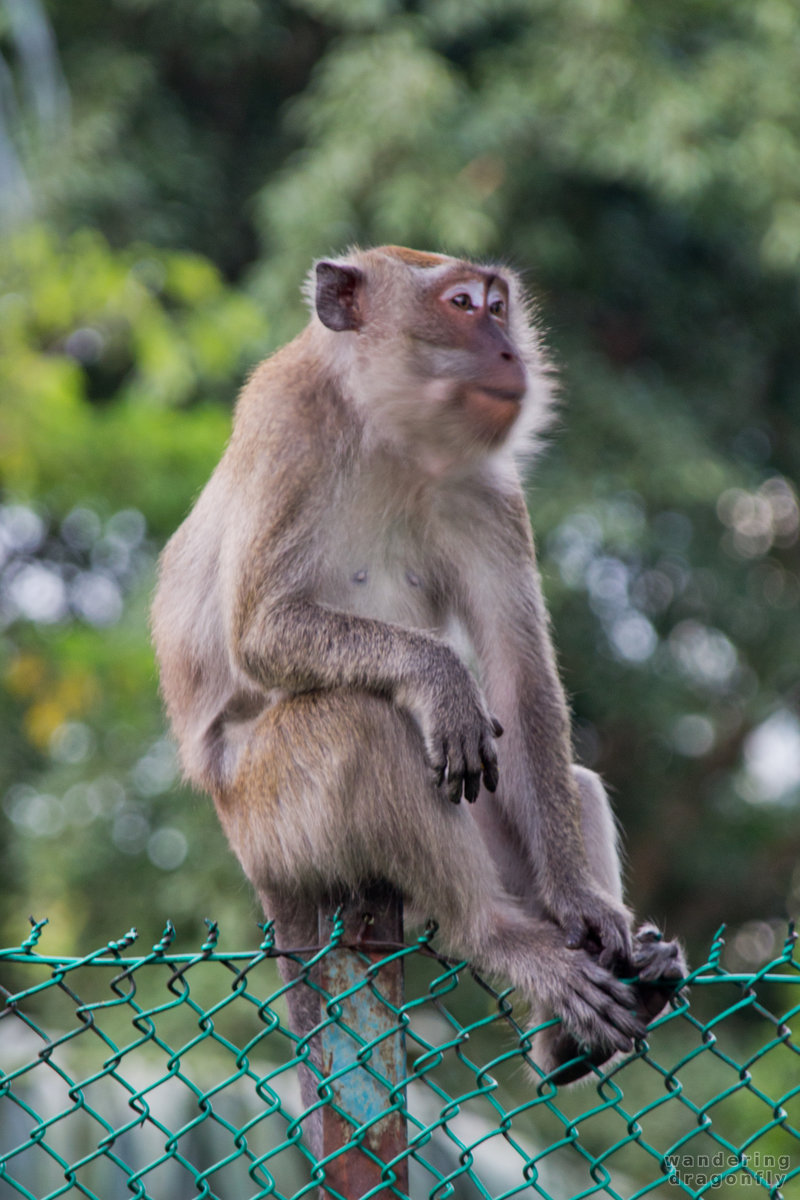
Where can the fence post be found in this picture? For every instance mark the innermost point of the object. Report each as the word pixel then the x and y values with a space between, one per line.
pixel 375 917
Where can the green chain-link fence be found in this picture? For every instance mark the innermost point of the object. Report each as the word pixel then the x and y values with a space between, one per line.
pixel 170 1076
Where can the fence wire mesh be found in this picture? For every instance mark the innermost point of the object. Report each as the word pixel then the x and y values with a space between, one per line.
pixel 169 1075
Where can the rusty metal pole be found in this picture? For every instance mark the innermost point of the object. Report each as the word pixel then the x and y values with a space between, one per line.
pixel 373 918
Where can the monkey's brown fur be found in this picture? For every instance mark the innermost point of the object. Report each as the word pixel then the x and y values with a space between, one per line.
pixel 364 531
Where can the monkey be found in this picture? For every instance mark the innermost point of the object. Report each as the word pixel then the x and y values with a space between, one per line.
pixel 356 658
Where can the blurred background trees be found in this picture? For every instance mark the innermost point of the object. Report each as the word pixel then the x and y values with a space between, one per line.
pixel 168 169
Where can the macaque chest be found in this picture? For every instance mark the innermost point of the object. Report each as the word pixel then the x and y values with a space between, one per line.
pixel 381 570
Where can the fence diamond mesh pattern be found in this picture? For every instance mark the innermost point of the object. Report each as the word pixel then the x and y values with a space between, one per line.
pixel 168 1076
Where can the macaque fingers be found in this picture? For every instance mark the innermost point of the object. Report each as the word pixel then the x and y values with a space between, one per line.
pixel 599 1009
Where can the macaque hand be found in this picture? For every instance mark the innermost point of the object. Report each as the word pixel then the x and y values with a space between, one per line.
pixel 457 729
pixel 596 1008
pixel 593 922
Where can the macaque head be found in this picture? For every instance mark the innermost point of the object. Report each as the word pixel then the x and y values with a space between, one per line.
pixel 441 346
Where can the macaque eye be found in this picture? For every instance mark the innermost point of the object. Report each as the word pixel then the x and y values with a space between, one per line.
pixel 498 308
pixel 461 300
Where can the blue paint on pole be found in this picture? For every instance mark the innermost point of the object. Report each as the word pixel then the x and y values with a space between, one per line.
pixel 363 1051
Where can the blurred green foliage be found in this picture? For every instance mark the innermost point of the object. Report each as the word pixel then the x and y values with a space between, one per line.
pixel 114 366
pixel 168 170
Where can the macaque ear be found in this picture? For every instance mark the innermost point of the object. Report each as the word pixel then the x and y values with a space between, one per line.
pixel 338 296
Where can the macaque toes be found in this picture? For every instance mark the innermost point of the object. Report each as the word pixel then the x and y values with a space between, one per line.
pixel 356 659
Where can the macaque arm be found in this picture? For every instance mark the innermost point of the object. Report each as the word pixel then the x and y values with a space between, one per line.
pixel 505 615
pixel 281 636
pixel 302 646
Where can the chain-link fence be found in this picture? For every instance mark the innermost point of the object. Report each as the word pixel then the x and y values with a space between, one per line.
pixel 170 1076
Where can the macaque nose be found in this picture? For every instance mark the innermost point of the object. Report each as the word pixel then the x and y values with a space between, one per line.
pixel 510 374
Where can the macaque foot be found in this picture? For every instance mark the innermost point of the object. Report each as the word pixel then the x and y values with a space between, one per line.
pixel 659 968
pixel 568 1061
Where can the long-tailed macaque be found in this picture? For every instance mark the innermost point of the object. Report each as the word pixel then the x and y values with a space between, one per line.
pixel 351 617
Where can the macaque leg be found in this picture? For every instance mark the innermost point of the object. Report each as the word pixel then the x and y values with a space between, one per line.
pixel 330 790
pixel 600 835
pixel 653 958
pixel 513 862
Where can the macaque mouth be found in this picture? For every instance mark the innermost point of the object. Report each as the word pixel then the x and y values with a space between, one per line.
pixel 493 409
pixel 508 395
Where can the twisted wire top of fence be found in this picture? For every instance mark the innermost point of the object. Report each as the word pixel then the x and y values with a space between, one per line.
pixel 174 1075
